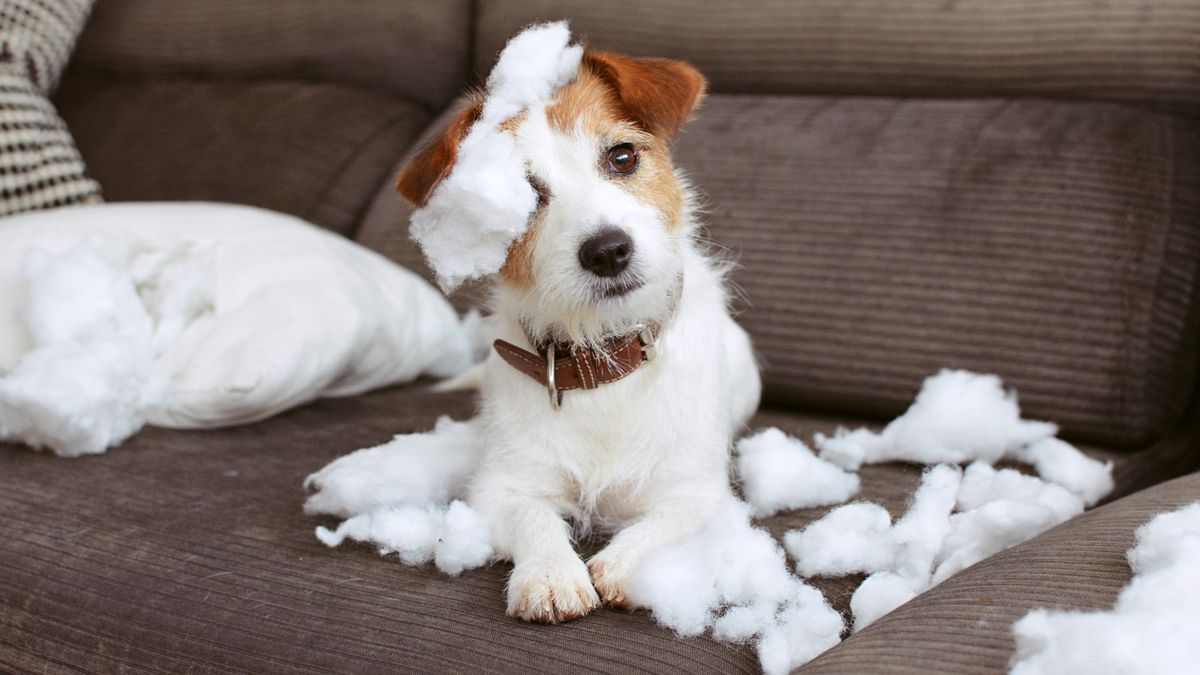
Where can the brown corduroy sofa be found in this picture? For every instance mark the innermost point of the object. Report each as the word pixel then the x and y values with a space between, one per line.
pixel 1004 186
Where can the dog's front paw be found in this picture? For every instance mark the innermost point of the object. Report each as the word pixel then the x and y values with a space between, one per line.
pixel 551 591
pixel 610 572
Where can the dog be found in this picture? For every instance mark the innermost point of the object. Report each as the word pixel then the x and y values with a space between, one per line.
pixel 619 377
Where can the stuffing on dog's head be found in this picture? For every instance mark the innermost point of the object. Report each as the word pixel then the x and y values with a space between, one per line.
pixel 602 251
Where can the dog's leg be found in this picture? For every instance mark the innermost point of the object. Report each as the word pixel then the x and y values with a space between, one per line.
pixel 549 582
pixel 670 519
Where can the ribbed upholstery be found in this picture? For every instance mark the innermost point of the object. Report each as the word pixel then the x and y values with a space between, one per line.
pixel 319 151
pixel 963 626
pixel 1122 50
pixel 882 239
pixel 417 50
pixel 188 550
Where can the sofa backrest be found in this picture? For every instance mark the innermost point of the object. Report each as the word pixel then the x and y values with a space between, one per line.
pixel 999 185
pixel 414 50
pixel 1117 51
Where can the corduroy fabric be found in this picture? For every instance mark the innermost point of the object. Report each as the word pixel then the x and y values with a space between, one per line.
pixel 879 240
pixel 963 626
pixel 187 549
pixel 417 50
pixel 1119 51
pixel 318 151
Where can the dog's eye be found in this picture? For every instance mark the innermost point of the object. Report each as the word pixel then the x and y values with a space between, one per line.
pixel 622 158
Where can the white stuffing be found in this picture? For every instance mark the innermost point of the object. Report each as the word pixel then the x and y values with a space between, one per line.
pixel 198 315
pixel 1059 462
pixel 424 468
pixel 957 417
pixel 732 578
pixel 484 204
pixel 454 537
pixel 1153 626
pixel 917 537
pixel 849 539
pixel 402 497
pixel 999 509
pixel 88 383
pixel 780 473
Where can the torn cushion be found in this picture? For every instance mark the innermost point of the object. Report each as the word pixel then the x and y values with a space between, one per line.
pixel 195 316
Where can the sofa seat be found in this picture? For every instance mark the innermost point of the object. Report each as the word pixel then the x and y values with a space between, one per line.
pixel 188 550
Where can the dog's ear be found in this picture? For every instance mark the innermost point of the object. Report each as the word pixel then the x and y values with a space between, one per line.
pixel 433 163
pixel 659 94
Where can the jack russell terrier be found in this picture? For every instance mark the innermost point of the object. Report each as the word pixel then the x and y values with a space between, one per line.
pixel 619 378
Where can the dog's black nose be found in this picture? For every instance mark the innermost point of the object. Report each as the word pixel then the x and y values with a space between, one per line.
pixel 606 253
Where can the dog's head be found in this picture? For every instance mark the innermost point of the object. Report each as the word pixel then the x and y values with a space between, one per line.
pixel 604 249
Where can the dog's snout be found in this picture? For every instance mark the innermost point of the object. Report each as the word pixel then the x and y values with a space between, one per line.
pixel 606 253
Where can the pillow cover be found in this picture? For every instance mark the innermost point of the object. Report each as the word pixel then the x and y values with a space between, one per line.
pixel 198 315
pixel 39 164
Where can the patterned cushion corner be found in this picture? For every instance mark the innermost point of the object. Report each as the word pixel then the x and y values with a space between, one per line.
pixel 40 166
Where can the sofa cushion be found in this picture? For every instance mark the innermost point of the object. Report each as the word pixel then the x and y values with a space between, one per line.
pixel 317 151
pixel 417 50
pixel 1122 51
pixel 190 550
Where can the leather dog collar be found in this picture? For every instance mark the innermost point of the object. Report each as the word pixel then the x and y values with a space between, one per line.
pixel 581 367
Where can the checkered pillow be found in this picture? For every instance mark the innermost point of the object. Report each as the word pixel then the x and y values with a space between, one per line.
pixel 39 164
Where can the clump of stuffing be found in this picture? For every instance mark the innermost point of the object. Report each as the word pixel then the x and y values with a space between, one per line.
pixel 849 539
pixel 1153 626
pixel 427 468
pixel 916 539
pixel 87 383
pixel 957 417
pixel 1059 462
pixel 953 523
pixel 998 509
pixel 780 473
pixel 732 578
pixel 454 538
pixel 484 204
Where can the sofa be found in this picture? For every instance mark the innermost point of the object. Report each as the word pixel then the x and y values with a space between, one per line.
pixel 1003 186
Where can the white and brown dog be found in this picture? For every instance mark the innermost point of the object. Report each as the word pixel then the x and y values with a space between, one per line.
pixel 620 378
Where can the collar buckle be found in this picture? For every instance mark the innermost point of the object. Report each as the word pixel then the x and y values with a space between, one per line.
pixel 648 341
pixel 551 387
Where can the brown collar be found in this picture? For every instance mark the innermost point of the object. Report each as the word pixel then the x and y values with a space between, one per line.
pixel 581 367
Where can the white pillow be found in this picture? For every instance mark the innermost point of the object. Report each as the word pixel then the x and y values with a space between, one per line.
pixel 196 315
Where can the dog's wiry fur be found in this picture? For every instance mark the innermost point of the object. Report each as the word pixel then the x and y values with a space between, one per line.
pixel 646 456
